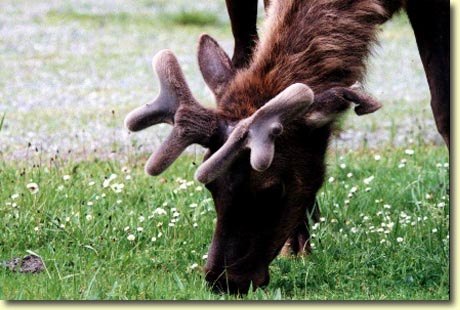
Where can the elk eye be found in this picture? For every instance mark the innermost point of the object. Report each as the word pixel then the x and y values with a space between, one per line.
pixel 275 190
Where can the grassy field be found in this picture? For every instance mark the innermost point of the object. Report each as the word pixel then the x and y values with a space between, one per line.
pixel 71 70
pixel 110 232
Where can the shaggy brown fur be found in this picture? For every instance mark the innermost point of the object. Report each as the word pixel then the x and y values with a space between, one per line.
pixel 322 43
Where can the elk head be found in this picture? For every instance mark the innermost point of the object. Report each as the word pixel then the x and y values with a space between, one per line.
pixel 263 171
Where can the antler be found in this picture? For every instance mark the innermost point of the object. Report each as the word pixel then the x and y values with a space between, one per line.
pixel 258 132
pixel 174 105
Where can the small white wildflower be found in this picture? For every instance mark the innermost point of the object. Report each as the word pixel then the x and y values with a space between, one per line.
pixel 315 226
pixel 36 228
pixel 176 214
pixel 89 217
pixel 103 195
pixel 131 237
pixel 128 177
pixel 428 196
pixel 126 228
pixel 140 229
pixel 198 188
pixel 89 203
pixel 331 179
pixel 171 224
pixel 193 205
pixel 354 230
pixel 66 177
pixel 15 196
pixel 386 206
pixel 368 180
pixel 399 239
pixel 159 234
pixel 205 256
pixel 401 165
pixel 342 166
pixel 409 152
pixel 62 226
pixel 193 266
pixel 107 181
pixel 159 211
pixel 353 189
pixel 322 219
pixel 117 187
pixel 349 175
pixel 377 157
pixel 383 241
pixel 33 188
pixel 195 225
pixel 334 221
pixel 141 218
pixel 91 183
pixel 153 239
pixel 434 230
pixel 119 201
pixel 367 189
pixel 125 170
pixel 346 202
pixel 441 205
pixel 446 165
pixel 160 224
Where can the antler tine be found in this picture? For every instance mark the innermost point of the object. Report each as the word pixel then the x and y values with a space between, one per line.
pixel 173 91
pixel 174 105
pixel 258 132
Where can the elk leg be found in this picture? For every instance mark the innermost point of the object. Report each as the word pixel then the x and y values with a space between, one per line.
pixel 299 241
pixel 430 21
pixel 243 18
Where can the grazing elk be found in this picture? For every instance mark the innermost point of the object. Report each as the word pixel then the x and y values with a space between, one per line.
pixel 267 138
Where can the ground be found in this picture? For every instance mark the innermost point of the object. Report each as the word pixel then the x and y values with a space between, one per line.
pixel 70 73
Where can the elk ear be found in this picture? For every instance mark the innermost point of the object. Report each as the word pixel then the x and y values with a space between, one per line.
pixel 215 65
pixel 329 104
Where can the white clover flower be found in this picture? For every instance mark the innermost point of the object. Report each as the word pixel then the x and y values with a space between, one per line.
pixel 159 234
pixel 401 166
pixel 159 211
pixel 441 205
pixel 15 196
pixel 205 256
pixel 334 221
pixel 125 170
pixel 131 237
pixel 193 205
pixel 315 226
pixel 107 181
pixel 377 157
pixel 193 266
pixel 117 187
pixel 342 166
pixel 66 177
pixel 36 228
pixel 399 239
pixel 368 180
pixel 91 183
pixel 354 230
pixel 119 201
pixel 89 217
pixel 153 239
pixel 434 230
pixel 33 188
pixel 176 214
pixel 367 189
pixel 195 225
pixel 331 179
pixel 322 219
pixel 349 175
pixel 140 229
pixel 409 152
pixel 353 189
pixel 89 203
pixel 382 241
pixel 198 188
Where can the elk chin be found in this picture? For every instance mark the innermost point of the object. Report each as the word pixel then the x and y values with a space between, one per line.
pixel 228 281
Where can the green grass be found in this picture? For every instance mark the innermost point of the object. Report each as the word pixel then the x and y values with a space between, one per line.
pixel 80 228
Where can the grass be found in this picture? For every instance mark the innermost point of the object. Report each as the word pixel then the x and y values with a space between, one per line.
pixel 107 231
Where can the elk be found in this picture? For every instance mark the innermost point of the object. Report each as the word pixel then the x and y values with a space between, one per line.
pixel 266 140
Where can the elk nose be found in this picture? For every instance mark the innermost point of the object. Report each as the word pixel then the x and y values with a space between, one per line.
pixel 225 282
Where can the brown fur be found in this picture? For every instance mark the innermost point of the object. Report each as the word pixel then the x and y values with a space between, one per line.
pixel 322 43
